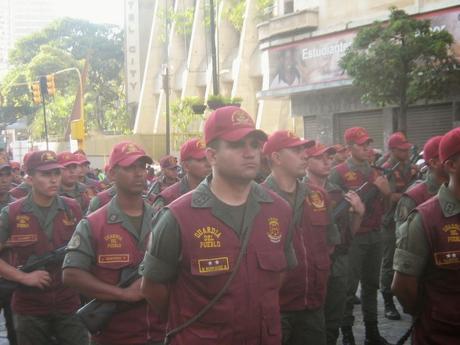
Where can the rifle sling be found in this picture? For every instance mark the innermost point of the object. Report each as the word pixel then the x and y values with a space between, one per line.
pixel 222 291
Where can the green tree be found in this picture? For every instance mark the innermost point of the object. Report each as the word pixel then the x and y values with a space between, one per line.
pixel 69 43
pixel 399 62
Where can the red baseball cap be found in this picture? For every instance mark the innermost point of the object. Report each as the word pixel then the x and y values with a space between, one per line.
pixel 398 141
pixel 42 161
pixel 126 153
pixel 431 148
pixel 357 135
pixel 168 162
pixel 231 124
pixel 339 148
pixel 320 149
pixel 193 149
pixel 284 139
pixel 67 158
pixel 15 165
pixel 81 158
pixel 449 145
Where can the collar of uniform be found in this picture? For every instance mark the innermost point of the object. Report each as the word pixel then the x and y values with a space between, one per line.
pixel 433 186
pixel 202 196
pixel 25 186
pixel 29 205
pixel 449 204
pixel 331 187
pixel 301 190
pixel 184 187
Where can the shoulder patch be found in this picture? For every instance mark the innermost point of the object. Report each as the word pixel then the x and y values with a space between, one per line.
pixel 74 242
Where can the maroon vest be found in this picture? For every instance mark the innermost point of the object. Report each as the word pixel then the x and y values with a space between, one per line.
pixel 105 196
pixel 353 179
pixel 305 286
pixel 26 239
pixel 171 193
pixel 116 249
pixel 419 193
pixel 439 322
pixel 402 179
pixel 248 313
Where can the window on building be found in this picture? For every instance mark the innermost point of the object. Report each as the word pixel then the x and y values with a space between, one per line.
pixel 288 6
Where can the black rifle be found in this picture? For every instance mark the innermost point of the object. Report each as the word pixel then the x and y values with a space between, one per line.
pixel 366 194
pixel 33 264
pixel 96 314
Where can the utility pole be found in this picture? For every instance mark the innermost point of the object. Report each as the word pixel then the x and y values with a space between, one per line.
pixel 215 77
pixel 165 74
pixel 44 92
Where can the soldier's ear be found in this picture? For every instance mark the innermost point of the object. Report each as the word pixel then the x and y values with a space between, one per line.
pixel 211 155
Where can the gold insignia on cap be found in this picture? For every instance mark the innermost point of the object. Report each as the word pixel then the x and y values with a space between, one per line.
pixel 200 144
pixel 240 117
pixel 130 147
pixel 48 156
pixel 274 232
pixel 292 135
pixel 172 160
pixel 360 132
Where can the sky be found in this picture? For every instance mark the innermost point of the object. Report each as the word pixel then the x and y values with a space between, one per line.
pixel 98 11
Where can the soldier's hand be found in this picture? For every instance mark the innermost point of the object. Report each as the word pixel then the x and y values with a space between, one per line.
pixel 39 279
pixel 357 205
pixel 133 293
pixel 382 184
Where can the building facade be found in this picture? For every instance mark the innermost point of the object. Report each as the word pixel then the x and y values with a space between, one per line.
pixel 283 62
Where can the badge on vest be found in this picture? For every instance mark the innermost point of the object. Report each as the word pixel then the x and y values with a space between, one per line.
pixel 113 241
pixel 447 258
pixel 453 231
pixel 209 237
pixel 22 221
pixel 350 176
pixel 274 232
pixel 316 200
pixel 23 238
pixel 213 265
pixel 112 258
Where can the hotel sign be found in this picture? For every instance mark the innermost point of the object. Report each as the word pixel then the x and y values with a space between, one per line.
pixel 133 79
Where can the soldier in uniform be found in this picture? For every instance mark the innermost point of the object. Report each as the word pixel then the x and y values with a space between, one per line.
pixel 229 227
pixel 399 180
pixel 16 173
pixel 34 226
pixel 24 187
pixel 92 186
pixel 319 164
pixel 341 154
pixel 168 176
pixel 421 191
pixel 109 244
pixel 101 199
pixel 304 290
pixel 365 253
pixel 70 185
pixel 427 259
pixel 6 178
pixel 196 168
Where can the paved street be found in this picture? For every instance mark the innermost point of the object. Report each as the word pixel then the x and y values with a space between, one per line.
pixel 391 330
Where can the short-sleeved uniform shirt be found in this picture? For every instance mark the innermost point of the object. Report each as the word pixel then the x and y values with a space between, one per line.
pixel 161 262
pixel 81 252
pixel 412 249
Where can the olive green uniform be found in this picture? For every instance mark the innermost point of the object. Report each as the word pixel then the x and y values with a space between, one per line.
pixel 35 329
pixel 160 202
pixel 388 231
pixel 75 194
pixel 95 202
pixel 364 254
pixel 311 323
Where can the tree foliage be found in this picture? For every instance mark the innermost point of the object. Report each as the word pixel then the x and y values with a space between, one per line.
pixel 63 44
pixel 401 61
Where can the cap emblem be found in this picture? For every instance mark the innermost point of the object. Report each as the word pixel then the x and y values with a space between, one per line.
pixel 292 135
pixel 200 144
pixel 130 148
pixel 47 156
pixel 240 117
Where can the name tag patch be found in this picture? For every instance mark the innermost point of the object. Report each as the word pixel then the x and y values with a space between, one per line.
pixel 113 258
pixel 23 238
pixel 447 258
pixel 212 265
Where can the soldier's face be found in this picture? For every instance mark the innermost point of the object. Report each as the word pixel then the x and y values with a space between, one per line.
pixel 198 168
pixel 238 160
pixel 6 177
pixel 292 160
pixel 46 183
pixel 452 167
pixel 320 165
pixel 131 179
pixel 170 173
pixel 361 152
pixel 70 174
pixel 401 155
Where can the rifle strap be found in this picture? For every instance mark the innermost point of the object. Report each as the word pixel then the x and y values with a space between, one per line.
pixel 407 334
pixel 246 235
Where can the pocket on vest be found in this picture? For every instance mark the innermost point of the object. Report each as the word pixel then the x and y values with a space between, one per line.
pixel 274 261
pixel 208 328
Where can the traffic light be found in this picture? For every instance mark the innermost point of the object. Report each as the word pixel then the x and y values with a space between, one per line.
pixel 36 94
pixel 43 86
pixel 50 85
